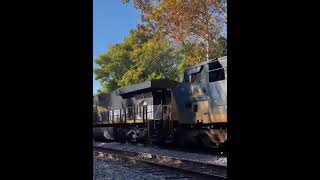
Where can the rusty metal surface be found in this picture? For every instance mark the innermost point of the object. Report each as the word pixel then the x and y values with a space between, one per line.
pixel 202 101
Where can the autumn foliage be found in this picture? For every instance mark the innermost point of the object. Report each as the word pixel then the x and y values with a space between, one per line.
pixel 173 35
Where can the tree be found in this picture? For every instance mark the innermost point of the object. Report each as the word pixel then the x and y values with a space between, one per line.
pixel 220 47
pixel 154 60
pixel 185 21
pixel 174 34
pixel 140 57
pixel 117 61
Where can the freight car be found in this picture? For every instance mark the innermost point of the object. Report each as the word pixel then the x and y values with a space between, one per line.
pixel 193 111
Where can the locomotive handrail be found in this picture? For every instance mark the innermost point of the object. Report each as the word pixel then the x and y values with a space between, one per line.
pixel 155 115
pixel 120 115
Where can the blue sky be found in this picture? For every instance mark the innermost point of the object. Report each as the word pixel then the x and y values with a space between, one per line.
pixel 112 21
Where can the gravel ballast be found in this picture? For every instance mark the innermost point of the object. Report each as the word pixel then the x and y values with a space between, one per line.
pixel 109 169
pixel 204 158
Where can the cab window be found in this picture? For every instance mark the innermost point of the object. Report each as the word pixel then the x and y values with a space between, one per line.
pixel 216 72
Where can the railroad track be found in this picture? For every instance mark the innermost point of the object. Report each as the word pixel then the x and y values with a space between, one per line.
pixel 191 169
pixel 193 149
pixel 131 171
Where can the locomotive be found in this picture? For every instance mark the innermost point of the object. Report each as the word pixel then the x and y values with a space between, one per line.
pixel 193 111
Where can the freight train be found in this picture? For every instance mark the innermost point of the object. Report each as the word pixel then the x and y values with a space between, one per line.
pixel 193 111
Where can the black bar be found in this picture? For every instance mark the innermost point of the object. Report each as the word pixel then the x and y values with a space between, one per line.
pixel 162 120
pixel 125 117
pixel 134 114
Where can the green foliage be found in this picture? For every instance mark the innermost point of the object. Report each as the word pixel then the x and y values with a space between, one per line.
pixel 220 48
pixel 138 58
pixel 170 39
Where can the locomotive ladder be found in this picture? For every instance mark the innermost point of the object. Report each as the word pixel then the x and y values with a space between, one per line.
pixel 157 127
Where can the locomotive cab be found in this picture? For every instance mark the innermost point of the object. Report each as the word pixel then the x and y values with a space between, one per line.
pixel 201 100
pixel 202 97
